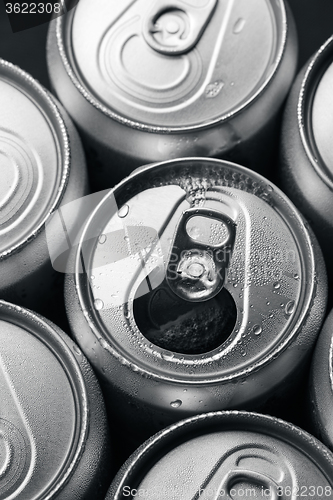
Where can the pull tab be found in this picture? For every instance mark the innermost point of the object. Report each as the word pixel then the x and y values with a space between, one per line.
pixel 174 27
pixel 200 254
pixel 254 478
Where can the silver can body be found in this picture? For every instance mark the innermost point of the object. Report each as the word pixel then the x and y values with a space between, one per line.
pixel 43 167
pixel 124 306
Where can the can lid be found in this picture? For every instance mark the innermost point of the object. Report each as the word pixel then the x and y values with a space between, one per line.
pixel 130 245
pixel 322 112
pixel 228 455
pixel 173 65
pixel 34 155
pixel 44 413
pixel 315 109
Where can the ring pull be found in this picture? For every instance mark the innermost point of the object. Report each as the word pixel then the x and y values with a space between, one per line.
pixel 174 27
pixel 200 254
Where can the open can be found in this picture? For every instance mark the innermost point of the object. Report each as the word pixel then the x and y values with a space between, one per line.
pixel 195 288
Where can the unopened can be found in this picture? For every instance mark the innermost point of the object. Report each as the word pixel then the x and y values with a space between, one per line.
pixel 150 81
pixel 306 147
pixel 54 438
pixel 227 455
pixel 42 167
pixel 195 289
pixel 321 384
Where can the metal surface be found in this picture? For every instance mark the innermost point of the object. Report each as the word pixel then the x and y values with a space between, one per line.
pixel 48 397
pixel 34 147
pixel 134 105
pixel 306 157
pixel 229 455
pixel 124 251
pixel 141 88
pixel 42 167
pixel 321 388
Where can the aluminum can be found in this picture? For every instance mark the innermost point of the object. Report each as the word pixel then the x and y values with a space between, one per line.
pixel 306 146
pixel 154 80
pixel 195 288
pixel 42 167
pixel 321 384
pixel 227 455
pixel 54 434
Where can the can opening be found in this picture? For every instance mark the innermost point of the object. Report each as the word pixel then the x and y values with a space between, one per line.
pixel 181 326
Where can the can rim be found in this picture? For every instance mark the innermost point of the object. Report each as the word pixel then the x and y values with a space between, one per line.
pixel 97 104
pixel 93 323
pixel 62 136
pixel 45 332
pixel 287 432
pixel 311 79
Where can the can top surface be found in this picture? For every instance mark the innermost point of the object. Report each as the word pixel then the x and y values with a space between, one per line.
pixel 130 244
pixel 225 455
pixel 34 151
pixel 316 111
pixel 43 422
pixel 173 65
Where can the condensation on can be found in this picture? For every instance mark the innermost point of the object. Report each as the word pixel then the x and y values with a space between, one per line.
pixel 42 167
pixel 159 359
pixel 138 96
pixel 306 146
pixel 54 434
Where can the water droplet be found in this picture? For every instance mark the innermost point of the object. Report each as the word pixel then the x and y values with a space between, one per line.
pixel 126 238
pixel 239 25
pixel 214 88
pixel 123 211
pixel 268 302
pixel 296 276
pixel 276 285
pixel 98 304
pixel 92 277
pixel 290 307
pixel 185 390
pixel 76 350
pixel 194 232
pixel 168 356
pixel 269 188
pixel 176 404
pixel 102 239
pixel 235 285
pixel 257 329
